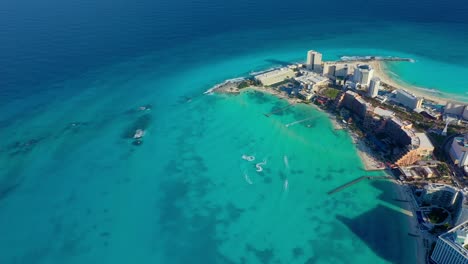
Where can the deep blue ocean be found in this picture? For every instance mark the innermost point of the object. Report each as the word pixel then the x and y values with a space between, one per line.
pixel 73 74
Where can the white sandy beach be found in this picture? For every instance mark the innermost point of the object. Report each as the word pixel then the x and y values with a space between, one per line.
pixel 381 72
pixel 404 193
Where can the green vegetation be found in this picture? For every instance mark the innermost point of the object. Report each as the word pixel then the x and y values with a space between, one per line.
pixel 330 93
pixel 443 169
pixel 243 84
pixel 466 246
pixel 437 215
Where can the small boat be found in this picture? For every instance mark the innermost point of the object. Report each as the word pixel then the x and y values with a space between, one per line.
pixel 139 133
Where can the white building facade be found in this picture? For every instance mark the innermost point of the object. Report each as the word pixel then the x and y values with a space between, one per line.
pixel 408 100
pixel 363 74
pixel 314 60
pixel 374 87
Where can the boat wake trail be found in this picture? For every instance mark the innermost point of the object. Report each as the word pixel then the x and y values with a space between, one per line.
pixel 286 161
pixel 247 178
pixel 260 164
pixel 299 121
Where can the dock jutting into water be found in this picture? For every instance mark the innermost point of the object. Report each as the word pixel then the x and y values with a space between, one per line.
pixel 346 185
pixel 372 58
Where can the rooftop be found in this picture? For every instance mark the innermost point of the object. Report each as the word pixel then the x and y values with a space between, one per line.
pixel 424 141
pixel 457 238
pixel 400 122
pixel 311 78
pixel 383 112
pixel 407 94
pixel 462 141
pixel 364 67
pixel 352 93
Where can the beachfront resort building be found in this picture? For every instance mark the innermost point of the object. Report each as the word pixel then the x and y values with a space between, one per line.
pixel 314 60
pixel 363 74
pixel 275 76
pixel 459 151
pixel 355 104
pixel 415 146
pixel 444 196
pixel 336 70
pixel 312 81
pixel 374 87
pixel 451 247
pixel 380 112
pixel 408 100
pixel 458 110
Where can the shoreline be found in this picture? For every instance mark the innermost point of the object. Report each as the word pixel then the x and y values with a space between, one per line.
pixel 369 159
pixel 369 162
pixel 381 71
pixel 403 192
pixel 366 155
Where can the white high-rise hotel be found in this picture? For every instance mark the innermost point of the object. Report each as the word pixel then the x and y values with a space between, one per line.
pixel 314 60
pixel 374 87
pixel 451 246
pixel 363 74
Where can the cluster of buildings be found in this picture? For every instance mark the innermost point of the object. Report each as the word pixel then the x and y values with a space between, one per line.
pixel 399 142
pixel 452 246
pixel 412 146
pixel 308 76
pixel 318 73
pixel 411 151
pixel 408 146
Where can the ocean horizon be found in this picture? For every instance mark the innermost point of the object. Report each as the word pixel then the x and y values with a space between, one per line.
pixel 78 78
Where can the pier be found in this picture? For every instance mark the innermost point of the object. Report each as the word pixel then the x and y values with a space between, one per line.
pixel 279 110
pixel 349 184
pixel 372 58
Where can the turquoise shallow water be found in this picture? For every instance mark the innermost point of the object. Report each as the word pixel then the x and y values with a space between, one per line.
pixel 84 194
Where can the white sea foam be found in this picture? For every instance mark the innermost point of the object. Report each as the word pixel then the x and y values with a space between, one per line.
pixel 248 158
pixel 247 178
pixel 234 80
pixel 260 164
pixel 286 161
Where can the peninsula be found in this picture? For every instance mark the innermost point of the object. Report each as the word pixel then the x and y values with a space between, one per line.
pixel 418 138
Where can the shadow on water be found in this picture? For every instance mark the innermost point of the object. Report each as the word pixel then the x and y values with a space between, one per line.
pixel 387 194
pixel 279 62
pixel 382 237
